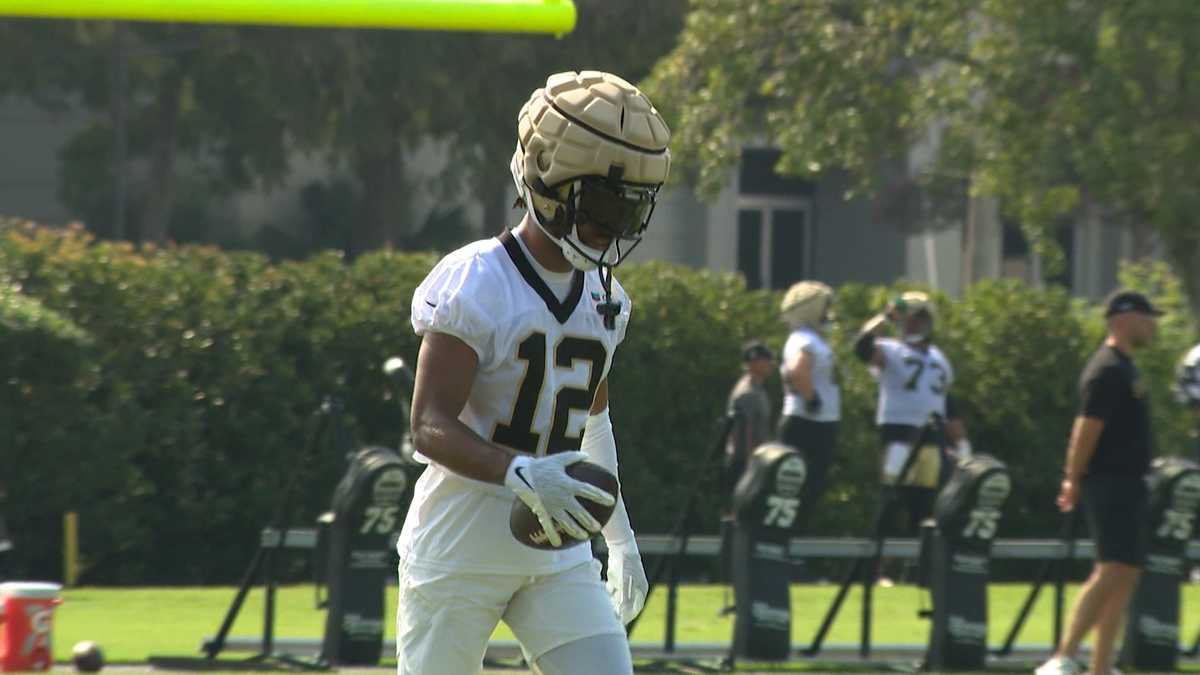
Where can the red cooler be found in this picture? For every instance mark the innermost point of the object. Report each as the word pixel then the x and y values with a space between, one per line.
pixel 28 613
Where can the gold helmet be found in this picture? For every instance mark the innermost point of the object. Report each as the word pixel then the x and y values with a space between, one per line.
pixel 590 148
pixel 806 303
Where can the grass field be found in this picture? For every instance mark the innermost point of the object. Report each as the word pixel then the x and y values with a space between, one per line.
pixel 134 623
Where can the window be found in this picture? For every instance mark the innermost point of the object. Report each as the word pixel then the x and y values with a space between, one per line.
pixel 772 242
pixel 749 247
pixel 1016 252
pixel 773 230
pixel 757 176
pixel 788 248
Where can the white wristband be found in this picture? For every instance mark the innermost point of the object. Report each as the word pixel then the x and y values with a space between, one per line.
pixel 601 448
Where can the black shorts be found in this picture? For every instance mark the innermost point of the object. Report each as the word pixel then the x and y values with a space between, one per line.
pixel 817 442
pixel 1115 509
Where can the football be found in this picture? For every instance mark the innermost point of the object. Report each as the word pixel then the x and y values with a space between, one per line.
pixel 87 657
pixel 526 528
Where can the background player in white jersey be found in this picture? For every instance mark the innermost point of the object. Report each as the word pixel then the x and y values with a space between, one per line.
pixel 511 382
pixel 1187 389
pixel 914 383
pixel 812 403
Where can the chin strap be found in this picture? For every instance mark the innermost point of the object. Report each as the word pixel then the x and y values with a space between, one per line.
pixel 608 309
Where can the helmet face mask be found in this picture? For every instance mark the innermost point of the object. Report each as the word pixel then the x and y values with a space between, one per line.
pixel 621 210
pixel 913 316
pixel 917 327
pixel 618 212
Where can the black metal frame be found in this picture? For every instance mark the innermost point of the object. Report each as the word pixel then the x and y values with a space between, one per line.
pixel 326 418
pixel 866 568
pixel 680 533
pixel 1059 567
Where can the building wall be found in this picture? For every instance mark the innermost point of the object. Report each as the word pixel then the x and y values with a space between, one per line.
pixel 934 259
pixel 678 231
pixel 846 243
pixel 850 244
pixel 30 140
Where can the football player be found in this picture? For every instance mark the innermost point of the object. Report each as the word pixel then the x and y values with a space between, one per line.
pixel 1187 388
pixel 812 398
pixel 914 382
pixel 519 333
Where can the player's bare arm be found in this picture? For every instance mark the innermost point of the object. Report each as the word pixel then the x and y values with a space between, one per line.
pixel 956 431
pixel 864 344
pixel 1084 435
pixel 445 373
pixel 798 371
pixel 600 400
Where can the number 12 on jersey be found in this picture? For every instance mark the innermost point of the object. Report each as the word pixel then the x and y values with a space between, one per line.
pixel 518 434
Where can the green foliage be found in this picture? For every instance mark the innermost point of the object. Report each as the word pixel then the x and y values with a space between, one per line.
pixel 195 394
pixel 671 378
pixel 166 393
pixel 1061 108
pixel 42 361
pixel 210 110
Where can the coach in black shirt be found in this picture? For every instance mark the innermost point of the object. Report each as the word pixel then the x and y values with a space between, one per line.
pixel 1107 462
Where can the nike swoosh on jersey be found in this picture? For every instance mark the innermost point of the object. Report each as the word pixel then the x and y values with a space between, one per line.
pixel 431 304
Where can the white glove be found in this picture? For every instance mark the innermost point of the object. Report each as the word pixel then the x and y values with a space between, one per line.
pixel 543 484
pixel 627 584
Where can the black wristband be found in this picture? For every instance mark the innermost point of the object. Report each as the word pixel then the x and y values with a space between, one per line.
pixel 813 405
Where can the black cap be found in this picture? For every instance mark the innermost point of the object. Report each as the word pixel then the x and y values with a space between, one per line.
pixel 1121 301
pixel 756 350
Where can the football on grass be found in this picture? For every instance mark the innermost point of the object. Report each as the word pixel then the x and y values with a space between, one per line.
pixel 526 528
pixel 87 657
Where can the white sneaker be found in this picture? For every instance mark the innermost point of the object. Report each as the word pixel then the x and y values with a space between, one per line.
pixel 1059 665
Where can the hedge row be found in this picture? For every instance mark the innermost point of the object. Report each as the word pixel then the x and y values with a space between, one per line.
pixel 165 393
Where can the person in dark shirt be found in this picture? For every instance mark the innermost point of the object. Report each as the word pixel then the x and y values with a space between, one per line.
pixel 1107 461
pixel 751 409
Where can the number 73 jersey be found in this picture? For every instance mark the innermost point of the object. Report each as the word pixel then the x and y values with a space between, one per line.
pixel 541 359
pixel 912 384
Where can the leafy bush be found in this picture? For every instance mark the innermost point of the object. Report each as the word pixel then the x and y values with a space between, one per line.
pixel 41 361
pixel 166 393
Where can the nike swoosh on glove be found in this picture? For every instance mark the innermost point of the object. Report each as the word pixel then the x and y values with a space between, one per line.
pixel 553 496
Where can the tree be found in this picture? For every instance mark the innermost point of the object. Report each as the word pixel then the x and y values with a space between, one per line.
pixel 1062 108
pixel 181 116
pixel 207 105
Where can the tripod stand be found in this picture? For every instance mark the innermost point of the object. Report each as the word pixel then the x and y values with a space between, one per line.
pixel 680 534
pixel 1059 567
pixel 866 567
pixel 327 416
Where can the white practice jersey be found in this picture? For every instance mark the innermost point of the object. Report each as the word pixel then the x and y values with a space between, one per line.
pixel 912 384
pixel 824 378
pixel 1187 374
pixel 540 362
